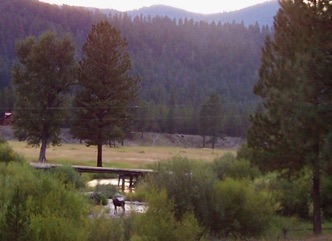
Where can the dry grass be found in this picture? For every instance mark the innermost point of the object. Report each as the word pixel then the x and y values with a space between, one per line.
pixel 325 237
pixel 133 156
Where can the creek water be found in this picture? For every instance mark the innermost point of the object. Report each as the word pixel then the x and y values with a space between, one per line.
pixel 130 206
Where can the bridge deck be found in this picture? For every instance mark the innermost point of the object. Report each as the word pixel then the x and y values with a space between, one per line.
pixel 123 173
pixel 90 169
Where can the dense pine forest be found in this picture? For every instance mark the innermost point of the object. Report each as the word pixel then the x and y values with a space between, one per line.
pixel 181 62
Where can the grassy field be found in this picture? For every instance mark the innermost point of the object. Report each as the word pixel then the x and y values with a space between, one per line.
pixel 141 157
pixel 126 157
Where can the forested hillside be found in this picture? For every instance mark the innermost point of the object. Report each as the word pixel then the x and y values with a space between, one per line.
pixel 180 62
pixel 262 13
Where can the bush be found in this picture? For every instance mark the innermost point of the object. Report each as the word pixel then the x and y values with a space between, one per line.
pixel 68 176
pixel 326 197
pixel 159 222
pixel 7 154
pixel 50 210
pixel 189 184
pixel 245 152
pixel 104 228
pixel 240 210
pixel 230 166
pixel 107 191
pixel 293 194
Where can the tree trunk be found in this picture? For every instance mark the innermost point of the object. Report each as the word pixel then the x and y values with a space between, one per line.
pixel 213 142
pixel 99 155
pixel 203 141
pixel 42 152
pixel 317 222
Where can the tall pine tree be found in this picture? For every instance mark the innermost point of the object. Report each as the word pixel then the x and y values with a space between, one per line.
pixel 106 87
pixel 211 119
pixel 295 84
pixel 43 75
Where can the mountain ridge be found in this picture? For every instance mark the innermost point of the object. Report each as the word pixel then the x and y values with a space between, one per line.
pixel 262 13
pixel 181 62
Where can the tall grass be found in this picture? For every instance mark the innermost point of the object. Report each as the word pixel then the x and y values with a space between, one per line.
pixel 125 157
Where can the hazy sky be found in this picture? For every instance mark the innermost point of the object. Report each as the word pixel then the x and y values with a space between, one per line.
pixel 198 6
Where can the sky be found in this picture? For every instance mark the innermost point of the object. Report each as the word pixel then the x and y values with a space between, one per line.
pixel 197 6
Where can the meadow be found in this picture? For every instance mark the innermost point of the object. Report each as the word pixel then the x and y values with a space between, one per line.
pixel 121 156
pixel 143 157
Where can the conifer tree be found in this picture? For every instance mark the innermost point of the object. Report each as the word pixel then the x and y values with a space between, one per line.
pixel 44 74
pixel 295 84
pixel 211 119
pixel 106 87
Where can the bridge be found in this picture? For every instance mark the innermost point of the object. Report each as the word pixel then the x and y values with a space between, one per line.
pixel 123 173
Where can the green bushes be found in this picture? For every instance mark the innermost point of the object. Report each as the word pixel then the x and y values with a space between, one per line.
pixel 104 228
pixel 189 184
pixel 7 154
pixel 240 209
pixel 230 166
pixel 48 209
pixel 232 206
pixel 68 176
pixel 187 200
pixel 159 222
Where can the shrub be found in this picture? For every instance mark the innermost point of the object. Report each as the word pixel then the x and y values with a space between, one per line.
pixel 107 191
pixel 68 176
pixel 221 165
pixel 7 154
pixel 189 184
pixel 104 228
pixel 240 210
pixel 293 194
pixel 245 152
pixel 52 211
pixel 159 222
pixel 15 221
pixel 230 166
pixel 326 197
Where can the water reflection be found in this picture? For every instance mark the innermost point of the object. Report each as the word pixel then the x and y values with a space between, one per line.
pixel 130 206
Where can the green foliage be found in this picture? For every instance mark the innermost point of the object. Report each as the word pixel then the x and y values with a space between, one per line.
pixel 165 53
pixel 106 88
pixel 2 140
pixel 102 193
pixel 7 154
pixel 291 131
pixel 326 197
pixel 229 207
pixel 107 190
pixel 211 118
pixel 45 208
pixel 68 176
pixel 189 229
pixel 229 166
pixel 41 78
pixel 278 228
pixel 293 195
pixel 243 169
pixel 159 222
pixel 245 152
pixel 104 228
pixel 16 220
pixel 240 210
pixel 188 184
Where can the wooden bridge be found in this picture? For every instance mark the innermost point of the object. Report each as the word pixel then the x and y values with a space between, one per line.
pixel 123 173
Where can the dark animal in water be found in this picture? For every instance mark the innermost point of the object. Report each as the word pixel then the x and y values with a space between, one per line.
pixel 118 201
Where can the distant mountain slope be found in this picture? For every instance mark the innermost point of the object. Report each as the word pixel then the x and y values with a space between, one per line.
pixel 261 13
pixel 181 63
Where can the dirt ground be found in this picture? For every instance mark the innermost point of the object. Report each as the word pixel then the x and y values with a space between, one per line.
pixel 150 139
